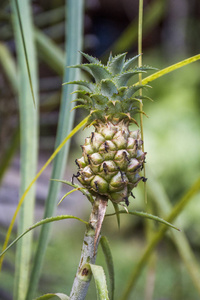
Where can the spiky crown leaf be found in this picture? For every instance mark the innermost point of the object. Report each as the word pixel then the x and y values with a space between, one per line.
pixel 110 97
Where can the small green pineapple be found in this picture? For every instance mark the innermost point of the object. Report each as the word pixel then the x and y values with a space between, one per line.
pixel 112 156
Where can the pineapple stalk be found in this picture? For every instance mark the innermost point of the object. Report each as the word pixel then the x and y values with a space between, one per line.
pixel 89 249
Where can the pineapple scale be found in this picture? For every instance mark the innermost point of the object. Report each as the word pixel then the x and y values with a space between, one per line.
pixel 111 161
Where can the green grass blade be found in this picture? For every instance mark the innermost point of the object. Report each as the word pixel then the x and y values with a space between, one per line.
pixel 144 215
pixel 184 201
pixel 49 52
pixel 20 16
pixel 9 67
pixel 10 151
pixel 76 129
pixel 42 222
pixel 109 261
pixel 100 282
pixel 28 87
pixel 50 296
pixel 51 16
pixel 161 199
pixel 74 31
pixel 156 239
pixel 171 68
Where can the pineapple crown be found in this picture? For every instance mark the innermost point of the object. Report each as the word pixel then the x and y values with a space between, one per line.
pixel 110 98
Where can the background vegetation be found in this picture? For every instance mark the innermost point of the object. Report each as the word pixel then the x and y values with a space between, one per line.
pixel 171 133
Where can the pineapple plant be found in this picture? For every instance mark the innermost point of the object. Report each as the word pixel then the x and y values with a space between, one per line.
pixel 112 157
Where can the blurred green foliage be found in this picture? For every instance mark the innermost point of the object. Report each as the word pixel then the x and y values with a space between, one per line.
pixel 171 136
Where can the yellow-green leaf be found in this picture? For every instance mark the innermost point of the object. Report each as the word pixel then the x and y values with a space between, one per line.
pixel 76 129
pixel 171 68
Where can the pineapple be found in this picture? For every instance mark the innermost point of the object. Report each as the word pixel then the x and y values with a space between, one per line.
pixel 112 156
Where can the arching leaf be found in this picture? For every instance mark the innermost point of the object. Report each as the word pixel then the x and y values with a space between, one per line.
pixel 76 129
pixel 145 215
pixel 50 296
pixel 61 200
pixel 100 282
pixel 157 237
pixel 171 68
pixel 42 222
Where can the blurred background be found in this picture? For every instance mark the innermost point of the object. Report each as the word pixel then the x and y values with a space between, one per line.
pixel 171 33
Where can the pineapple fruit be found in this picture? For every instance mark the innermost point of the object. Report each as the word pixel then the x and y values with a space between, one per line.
pixel 112 156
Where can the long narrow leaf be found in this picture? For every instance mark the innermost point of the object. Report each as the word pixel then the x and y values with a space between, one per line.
pixel 73 43
pixel 184 201
pixel 28 89
pixel 50 52
pixel 76 129
pixel 9 67
pixel 109 261
pixel 144 215
pixel 51 16
pixel 42 222
pixel 171 68
pixel 100 282
pixel 19 12
pixel 163 203
pixel 156 239
pixel 61 200
pixel 9 153
pixel 50 296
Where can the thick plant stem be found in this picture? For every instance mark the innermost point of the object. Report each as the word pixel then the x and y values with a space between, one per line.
pixel 89 249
